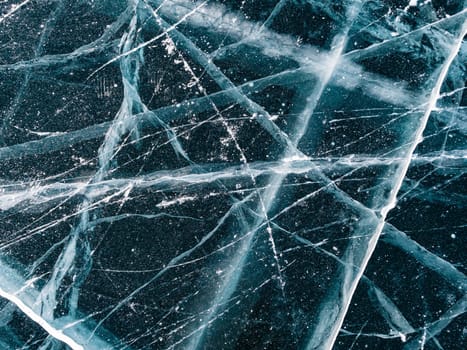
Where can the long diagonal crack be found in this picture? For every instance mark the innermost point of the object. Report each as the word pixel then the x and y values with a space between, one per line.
pixel 330 318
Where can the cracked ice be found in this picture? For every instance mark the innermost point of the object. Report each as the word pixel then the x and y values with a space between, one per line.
pixel 217 174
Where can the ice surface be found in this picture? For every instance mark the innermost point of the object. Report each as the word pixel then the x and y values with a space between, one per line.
pixel 268 174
